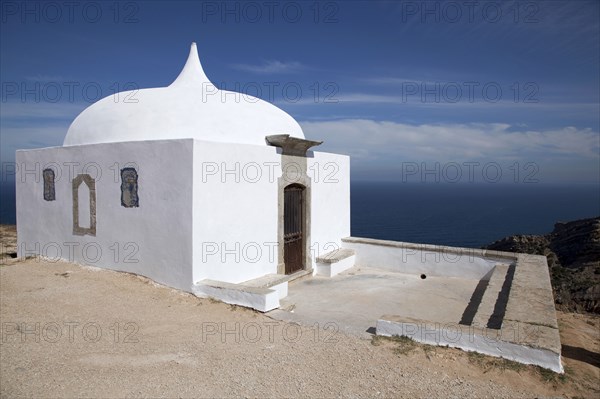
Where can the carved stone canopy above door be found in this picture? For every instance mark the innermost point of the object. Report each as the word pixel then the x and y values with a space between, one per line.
pixel 291 145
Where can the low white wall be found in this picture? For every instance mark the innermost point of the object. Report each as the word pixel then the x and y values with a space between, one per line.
pixel 330 175
pixel 486 341
pixel 153 239
pixel 425 259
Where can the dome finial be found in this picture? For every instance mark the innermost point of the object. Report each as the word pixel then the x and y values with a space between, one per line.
pixel 191 107
pixel 192 72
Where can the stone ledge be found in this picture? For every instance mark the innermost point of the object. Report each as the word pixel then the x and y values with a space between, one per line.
pixel 335 255
pixel 277 282
pixel 434 248
pixel 232 286
pixel 520 342
pixel 335 262
pixel 530 300
pixel 300 275
pixel 259 298
pixel 267 281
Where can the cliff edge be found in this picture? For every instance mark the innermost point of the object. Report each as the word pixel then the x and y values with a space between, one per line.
pixel 573 253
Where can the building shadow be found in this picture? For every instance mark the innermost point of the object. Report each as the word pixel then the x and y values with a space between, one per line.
pixel 471 309
pixel 581 354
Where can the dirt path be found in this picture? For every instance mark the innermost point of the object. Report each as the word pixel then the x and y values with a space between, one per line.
pixel 72 331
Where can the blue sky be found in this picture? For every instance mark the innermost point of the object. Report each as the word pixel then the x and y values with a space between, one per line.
pixel 393 84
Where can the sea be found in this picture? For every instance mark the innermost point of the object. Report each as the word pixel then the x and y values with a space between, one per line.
pixel 463 215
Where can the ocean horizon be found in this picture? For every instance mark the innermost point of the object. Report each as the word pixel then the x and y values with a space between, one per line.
pixel 462 215
pixel 465 215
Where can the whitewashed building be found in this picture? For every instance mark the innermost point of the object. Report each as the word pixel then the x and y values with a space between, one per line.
pixel 220 194
pixel 208 191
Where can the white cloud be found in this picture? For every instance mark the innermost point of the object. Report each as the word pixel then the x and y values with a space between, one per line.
pixel 377 140
pixel 48 78
pixel 27 137
pixel 395 81
pixel 272 66
pixel 380 149
pixel 462 101
pixel 42 109
pixel 34 125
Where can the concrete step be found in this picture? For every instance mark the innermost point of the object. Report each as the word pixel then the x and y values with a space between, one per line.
pixel 262 294
pixel 335 262
pixel 277 282
pixel 490 296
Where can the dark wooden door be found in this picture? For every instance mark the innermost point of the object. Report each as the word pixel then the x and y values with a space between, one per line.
pixel 293 237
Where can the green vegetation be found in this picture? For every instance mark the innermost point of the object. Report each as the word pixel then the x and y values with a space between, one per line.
pixel 403 345
pixel 550 376
pixel 489 362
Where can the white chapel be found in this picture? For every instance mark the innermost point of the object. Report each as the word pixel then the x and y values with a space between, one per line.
pixel 207 191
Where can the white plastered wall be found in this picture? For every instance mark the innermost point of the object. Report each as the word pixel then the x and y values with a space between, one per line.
pixel 153 239
pixel 235 211
pixel 207 210
pixel 330 209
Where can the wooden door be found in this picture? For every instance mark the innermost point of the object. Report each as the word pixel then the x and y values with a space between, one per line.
pixel 293 237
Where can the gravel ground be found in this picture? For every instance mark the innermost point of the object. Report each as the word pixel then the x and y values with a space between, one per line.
pixel 73 331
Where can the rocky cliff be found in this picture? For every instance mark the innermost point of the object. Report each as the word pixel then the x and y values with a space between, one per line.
pixel 573 253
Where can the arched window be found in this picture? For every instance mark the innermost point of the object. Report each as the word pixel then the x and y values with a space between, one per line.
pixel 84 205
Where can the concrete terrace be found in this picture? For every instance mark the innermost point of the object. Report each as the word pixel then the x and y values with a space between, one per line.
pixel 497 303
pixel 355 299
